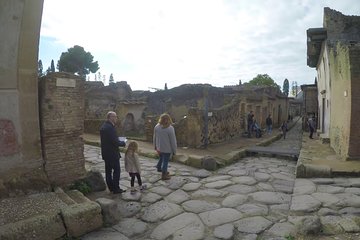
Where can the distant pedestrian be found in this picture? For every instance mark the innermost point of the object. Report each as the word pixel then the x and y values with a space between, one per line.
pixel 165 143
pixel 269 124
pixel 250 123
pixel 132 166
pixel 257 130
pixel 284 128
pixel 110 144
pixel 311 124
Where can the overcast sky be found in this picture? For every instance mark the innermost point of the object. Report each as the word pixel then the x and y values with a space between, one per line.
pixel 152 42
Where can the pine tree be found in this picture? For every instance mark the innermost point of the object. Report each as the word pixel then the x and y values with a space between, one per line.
pixel 52 66
pixel 166 88
pixel 111 79
pixel 76 60
pixel 286 87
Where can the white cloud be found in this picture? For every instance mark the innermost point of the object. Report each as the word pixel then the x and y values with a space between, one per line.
pixel 148 43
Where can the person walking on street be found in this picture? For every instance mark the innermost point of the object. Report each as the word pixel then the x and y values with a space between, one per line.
pixel 269 124
pixel 284 128
pixel 132 166
pixel 110 144
pixel 250 123
pixel 165 143
pixel 311 124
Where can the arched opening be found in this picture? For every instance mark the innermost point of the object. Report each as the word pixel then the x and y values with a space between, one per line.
pixel 129 124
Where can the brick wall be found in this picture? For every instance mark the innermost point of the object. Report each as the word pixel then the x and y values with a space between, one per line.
pixel 62 123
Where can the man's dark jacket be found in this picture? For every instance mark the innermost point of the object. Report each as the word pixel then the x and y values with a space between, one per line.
pixel 268 121
pixel 109 142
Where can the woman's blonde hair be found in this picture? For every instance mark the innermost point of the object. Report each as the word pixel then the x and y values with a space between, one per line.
pixel 165 120
pixel 133 146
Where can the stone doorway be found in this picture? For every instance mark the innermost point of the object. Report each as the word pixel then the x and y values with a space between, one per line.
pixel 129 123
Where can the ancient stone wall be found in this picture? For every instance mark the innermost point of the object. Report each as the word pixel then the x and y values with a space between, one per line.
pixel 62 124
pixel 340 96
pixel 190 130
pixel 226 122
pixel 341 27
pixel 100 99
pixel 21 163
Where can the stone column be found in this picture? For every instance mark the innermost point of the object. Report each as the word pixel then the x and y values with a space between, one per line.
pixel 21 163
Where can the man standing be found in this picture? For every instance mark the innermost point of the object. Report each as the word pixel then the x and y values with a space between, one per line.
pixel 250 122
pixel 311 124
pixel 110 152
pixel 269 124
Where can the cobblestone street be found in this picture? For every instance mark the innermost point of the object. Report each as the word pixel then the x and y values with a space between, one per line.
pixel 255 198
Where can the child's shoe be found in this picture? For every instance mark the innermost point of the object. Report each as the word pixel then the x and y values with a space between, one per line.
pixel 143 188
pixel 133 190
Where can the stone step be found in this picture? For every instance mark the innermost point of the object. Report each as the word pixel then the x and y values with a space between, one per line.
pixel 64 213
pixel 77 196
pixel 64 197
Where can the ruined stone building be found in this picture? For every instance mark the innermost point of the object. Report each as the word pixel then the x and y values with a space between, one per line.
pixel 334 50
pixel 226 112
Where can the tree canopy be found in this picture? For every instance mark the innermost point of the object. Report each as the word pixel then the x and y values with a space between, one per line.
pixel 77 60
pixel 286 87
pixel 263 80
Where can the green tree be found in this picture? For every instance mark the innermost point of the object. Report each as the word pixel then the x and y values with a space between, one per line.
pixel 286 87
pixel 77 60
pixel 52 66
pixel 111 79
pixel 166 88
pixel 40 68
pixel 263 80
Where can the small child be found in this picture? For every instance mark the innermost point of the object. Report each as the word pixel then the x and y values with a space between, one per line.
pixel 132 166
pixel 284 128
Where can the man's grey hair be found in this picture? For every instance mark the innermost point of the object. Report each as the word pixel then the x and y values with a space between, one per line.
pixel 108 115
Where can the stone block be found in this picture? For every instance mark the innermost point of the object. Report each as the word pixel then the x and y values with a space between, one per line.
pixel 180 159
pixel 95 180
pixel 35 228
pixel 209 163
pixel 310 170
pixel 109 210
pixel 82 218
